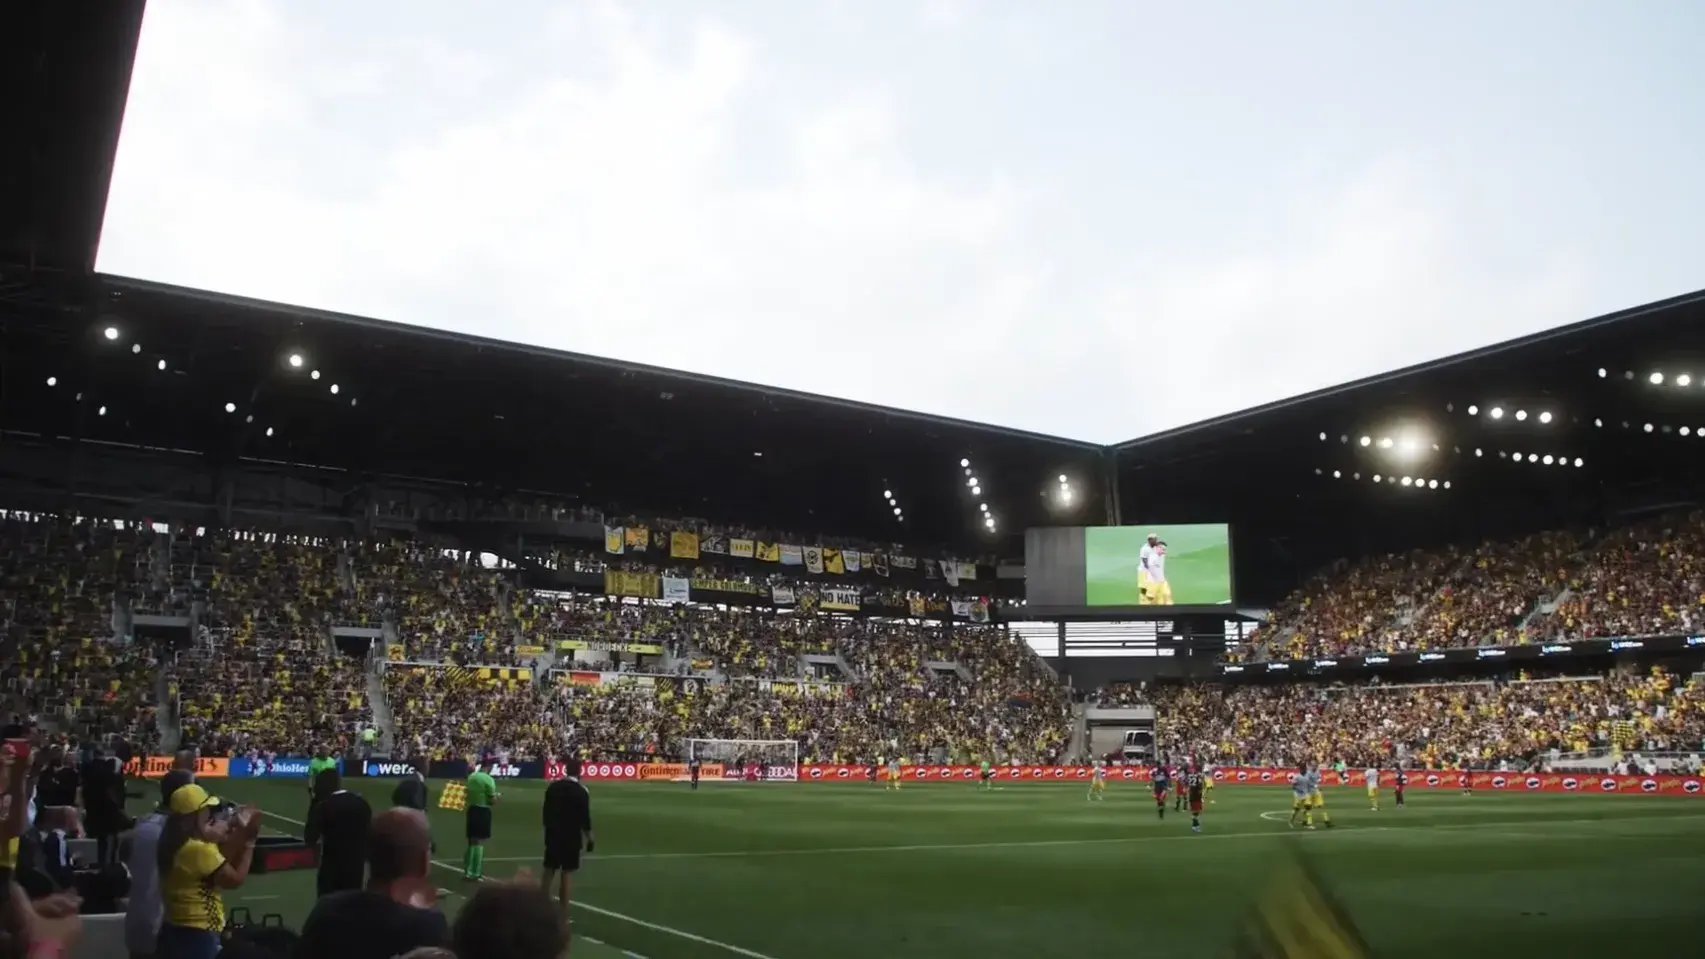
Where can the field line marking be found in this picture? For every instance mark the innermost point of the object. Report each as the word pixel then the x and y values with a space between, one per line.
pixel 643 923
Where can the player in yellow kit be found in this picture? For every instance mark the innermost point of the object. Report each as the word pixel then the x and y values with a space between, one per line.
pixel 1372 775
pixel 1098 782
pixel 894 773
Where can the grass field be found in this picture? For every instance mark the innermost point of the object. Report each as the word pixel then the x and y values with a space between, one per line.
pixel 1198 564
pixel 828 871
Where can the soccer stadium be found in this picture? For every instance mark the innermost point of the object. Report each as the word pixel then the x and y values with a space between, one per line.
pixel 1411 666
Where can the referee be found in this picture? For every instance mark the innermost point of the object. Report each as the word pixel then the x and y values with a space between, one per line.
pixel 568 822
pixel 337 823
pixel 482 792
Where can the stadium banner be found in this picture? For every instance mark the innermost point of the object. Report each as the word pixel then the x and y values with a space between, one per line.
pixel 281 767
pixel 1553 652
pixel 615 540
pixel 637 538
pixel 842 599
pixel 156 767
pixel 641 649
pixel 727 586
pixel 580 677
pixel 813 559
pixel 459 769
pixel 676 589
pixel 1073 568
pixel 394 652
pixel 530 650
pixel 639 585
pixel 639 772
pixel 683 545
pixel 756 773
pixel 382 768
pixel 1514 782
pixel 782 595
pixel 792 555
pixel 716 545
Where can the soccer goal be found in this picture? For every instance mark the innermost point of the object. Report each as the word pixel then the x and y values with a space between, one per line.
pixel 761 760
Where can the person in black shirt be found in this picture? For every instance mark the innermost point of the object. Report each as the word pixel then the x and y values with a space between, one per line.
pixel 338 821
pixel 411 792
pixel 693 771
pixel 396 913
pixel 103 800
pixel 568 823
pixel 59 782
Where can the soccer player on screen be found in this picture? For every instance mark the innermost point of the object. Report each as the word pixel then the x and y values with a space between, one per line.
pixel 1143 569
pixel 1159 590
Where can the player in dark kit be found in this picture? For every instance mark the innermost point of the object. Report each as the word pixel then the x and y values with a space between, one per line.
pixel 1193 782
pixel 1162 783
pixel 1401 780
pixel 693 771
pixel 1178 776
pixel 568 829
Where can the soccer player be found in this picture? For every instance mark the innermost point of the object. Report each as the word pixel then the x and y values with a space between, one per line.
pixel 1162 777
pixel 988 775
pixel 482 792
pixel 1194 780
pixel 692 770
pixel 1342 768
pixel 1177 774
pixel 1372 775
pixel 1300 800
pixel 568 825
pixel 1159 590
pixel 894 773
pixel 1316 798
pixel 875 770
pixel 1398 781
pixel 1465 776
pixel 338 823
pixel 1143 569
pixel 1208 782
pixel 1098 782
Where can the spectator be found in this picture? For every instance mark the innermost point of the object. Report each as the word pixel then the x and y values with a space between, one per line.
pixel 514 920
pixel 143 910
pixel 198 858
pixel 396 912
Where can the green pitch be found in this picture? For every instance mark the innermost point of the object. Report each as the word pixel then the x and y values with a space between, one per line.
pixel 842 871
pixel 1198 564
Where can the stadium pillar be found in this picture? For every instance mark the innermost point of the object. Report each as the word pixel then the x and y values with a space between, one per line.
pixel 1110 490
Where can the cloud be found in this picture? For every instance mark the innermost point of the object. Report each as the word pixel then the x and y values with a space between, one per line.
pixel 655 191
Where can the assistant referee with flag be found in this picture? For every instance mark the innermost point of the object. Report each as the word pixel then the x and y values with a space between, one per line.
pixel 482 792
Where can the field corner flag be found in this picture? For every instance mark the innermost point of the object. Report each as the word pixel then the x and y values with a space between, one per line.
pixel 455 796
pixel 1295 918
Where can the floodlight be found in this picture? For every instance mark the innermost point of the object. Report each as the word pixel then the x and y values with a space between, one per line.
pixel 1521 415
pixel 1376 477
pixel 110 333
pixel 1648 427
pixel 983 506
pixel 101 412
pixel 1684 380
pixel 1547 459
pixel 1474 411
pixel 136 347
pixel 1601 373
pixel 230 407
pixel 269 431
pixel 1365 440
pixel 1066 497
pixel 1656 378
pixel 1063 479
pixel 161 364
pixel 976 491
pixel 314 374
pixel 964 462
pixel 1579 461
pixel 295 361
pixel 1432 484
pixel 334 389
pixel 1337 474
pixel 887 494
pixel 1545 417
pixel 896 511
pixel 53 381
pixel 1447 484
pixel 1322 439
pixel 1496 412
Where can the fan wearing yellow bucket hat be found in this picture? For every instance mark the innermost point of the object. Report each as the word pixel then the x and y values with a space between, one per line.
pixel 199 857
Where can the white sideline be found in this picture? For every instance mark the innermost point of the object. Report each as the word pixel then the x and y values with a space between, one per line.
pixel 580 904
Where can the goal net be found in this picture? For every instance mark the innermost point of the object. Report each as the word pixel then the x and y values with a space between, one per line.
pixel 761 760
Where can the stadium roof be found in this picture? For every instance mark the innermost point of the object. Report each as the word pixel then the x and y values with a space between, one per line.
pixel 430 404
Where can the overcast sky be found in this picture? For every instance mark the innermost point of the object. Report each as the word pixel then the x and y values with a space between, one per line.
pixel 1096 219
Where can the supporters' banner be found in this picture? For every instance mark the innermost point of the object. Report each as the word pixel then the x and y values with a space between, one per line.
pixel 853 560
pixel 932 569
pixel 961 608
pixel 977 611
pixel 684 545
pixel 676 589
pixel 638 538
pixel 879 563
pixel 704 665
pixel 1660 785
pixel 281 767
pixel 804 690
pixel 729 586
pixel 581 677
pixel 965 571
pixel 156 767
pixel 813 559
pixel 615 539
pixel 639 772
pixel 903 562
pixel 642 649
pixel 394 652
pixel 769 553
pixel 916 606
pixel 742 549
pixel 660 540
pixel 841 599
pixel 623 583
pixel 716 546
pixel 834 562
pixel 530 650
pixel 792 556
pixel 782 595
pixel 950 572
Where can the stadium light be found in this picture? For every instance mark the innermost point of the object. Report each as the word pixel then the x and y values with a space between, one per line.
pixel 1432 484
pixel 230 407
pixel 1545 416
pixel 1406 481
pixel 1322 439
pixel 334 389
pixel 976 491
pixel 983 507
pixel 313 374
pixel 1337 474
pixel 1602 373
pixel 101 412
pixel 965 462
pixel 1478 451
pixel 110 332
pixel 1365 440
pixel 1496 412
pixel 1065 497
pixel 888 494
pixel 1521 416
pixel 1656 378
pixel 160 365
pixel 896 511
pixel 1514 456
pixel 1447 484
pixel 1580 462
pixel 1684 380
pixel 1684 431
pixel 1547 459
pixel 1385 442
pixel 53 381
pixel 1648 427
pixel 1474 411
pixel 1598 423
pixel 295 360
pixel 1376 477
pixel 135 348
pixel 1063 480
pixel 269 431
pixel 970 481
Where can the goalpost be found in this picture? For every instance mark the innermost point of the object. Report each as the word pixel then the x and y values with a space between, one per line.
pixel 773 760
